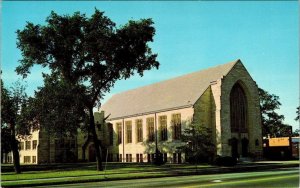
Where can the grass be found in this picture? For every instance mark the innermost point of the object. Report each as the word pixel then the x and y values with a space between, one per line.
pixel 87 173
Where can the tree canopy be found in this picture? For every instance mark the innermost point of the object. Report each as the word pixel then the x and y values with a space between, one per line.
pixel 88 53
pixel 272 122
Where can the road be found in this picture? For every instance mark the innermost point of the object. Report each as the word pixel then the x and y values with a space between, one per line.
pixel 284 178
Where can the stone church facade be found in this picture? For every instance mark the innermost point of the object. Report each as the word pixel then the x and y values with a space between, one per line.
pixel 223 98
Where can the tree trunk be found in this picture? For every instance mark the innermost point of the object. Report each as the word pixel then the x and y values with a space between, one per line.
pixel 95 140
pixel 15 150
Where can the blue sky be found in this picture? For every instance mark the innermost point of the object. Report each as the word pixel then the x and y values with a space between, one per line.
pixel 190 36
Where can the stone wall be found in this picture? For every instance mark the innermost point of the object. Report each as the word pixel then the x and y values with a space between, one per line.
pixel 239 74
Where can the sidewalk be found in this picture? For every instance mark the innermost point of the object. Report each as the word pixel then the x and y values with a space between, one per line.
pixel 164 172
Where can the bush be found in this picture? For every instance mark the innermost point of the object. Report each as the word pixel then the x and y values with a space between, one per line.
pixel 226 161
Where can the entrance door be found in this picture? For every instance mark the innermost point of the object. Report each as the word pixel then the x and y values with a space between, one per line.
pixel 245 144
pixel 234 148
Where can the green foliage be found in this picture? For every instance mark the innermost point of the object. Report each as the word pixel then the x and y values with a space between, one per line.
pixel 272 122
pixel 199 144
pixel 6 109
pixel 298 114
pixel 88 54
pixel 88 51
pixel 56 108
pixel 12 102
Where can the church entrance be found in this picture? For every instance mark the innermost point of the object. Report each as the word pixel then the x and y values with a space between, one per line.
pixel 238 119
pixel 245 144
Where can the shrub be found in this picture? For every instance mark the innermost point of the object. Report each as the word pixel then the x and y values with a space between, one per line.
pixel 226 161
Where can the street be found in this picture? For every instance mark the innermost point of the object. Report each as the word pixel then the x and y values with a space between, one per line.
pixel 284 177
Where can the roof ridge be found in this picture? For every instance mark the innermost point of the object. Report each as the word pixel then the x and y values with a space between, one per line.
pixel 184 75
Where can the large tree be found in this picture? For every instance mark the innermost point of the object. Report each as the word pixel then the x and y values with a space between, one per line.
pixel 89 53
pixel 272 122
pixel 11 106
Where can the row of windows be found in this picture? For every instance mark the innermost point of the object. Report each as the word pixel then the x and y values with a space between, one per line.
pixel 163 131
pixel 139 158
pixel 28 145
pixel 27 159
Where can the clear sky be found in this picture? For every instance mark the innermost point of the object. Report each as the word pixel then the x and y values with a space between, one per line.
pixel 190 36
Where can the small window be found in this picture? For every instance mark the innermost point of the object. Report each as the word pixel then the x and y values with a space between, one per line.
pixel 141 158
pixel 27 145
pixel 119 128
pixel 128 131
pixel 163 128
pixel 139 125
pixel 176 124
pixel 34 144
pixel 33 159
pixel 21 145
pixel 27 159
pixel 128 157
pixel 150 126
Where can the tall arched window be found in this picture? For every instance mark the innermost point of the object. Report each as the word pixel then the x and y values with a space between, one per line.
pixel 238 109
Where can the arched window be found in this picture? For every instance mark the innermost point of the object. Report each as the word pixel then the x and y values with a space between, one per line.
pixel 238 109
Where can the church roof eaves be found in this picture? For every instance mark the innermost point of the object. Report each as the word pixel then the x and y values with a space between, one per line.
pixel 175 93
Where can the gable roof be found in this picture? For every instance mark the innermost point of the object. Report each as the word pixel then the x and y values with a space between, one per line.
pixel 179 92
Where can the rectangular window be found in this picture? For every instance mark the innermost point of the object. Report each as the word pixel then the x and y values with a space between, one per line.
pixel 137 158
pixel 141 158
pixel 163 128
pixel 128 125
pixel 27 145
pixel 21 145
pixel 33 159
pixel 139 128
pixel 119 128
pixel 129 158
pixel 27 159
pixel 150 126
pixel 176 125
pixel 111 134
pixel 34 144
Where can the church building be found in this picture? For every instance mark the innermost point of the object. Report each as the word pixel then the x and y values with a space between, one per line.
pixel 223 98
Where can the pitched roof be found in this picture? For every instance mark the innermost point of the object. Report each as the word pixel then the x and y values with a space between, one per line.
pixel 182 91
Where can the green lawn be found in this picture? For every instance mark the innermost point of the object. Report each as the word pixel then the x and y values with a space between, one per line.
pixel 87 173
